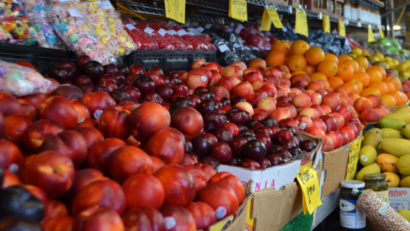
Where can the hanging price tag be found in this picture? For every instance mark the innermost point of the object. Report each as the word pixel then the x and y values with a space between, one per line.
pixel 309 182
pixel 342 28
pixel 353 159
pixel 370 36
pixel 326 23
pixel 301 23
pixel 238 10
pixel 270 15
pixel 175 9
pixel 381 32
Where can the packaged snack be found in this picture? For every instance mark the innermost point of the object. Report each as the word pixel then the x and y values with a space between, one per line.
pixel 141 40
pixel 36 11
pixel 5 35
pixel 21 81
pixel 162 42
pixel 69 22
pixel 178 43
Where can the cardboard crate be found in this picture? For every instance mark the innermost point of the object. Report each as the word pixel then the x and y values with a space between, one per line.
pixel 335 167
pixel 399 198
pixel 276 176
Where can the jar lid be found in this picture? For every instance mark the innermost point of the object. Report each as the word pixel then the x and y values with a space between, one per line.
pixel 352 184
pixel 374 177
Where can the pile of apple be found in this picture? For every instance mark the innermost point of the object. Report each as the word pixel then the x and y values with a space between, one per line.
pixel 121 148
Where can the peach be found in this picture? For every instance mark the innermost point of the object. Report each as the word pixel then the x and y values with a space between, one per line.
pixel 216 76
pixel 346 112
pixel 339 119
pixel 296 90
pixel 406 83
pixel 375 100
pixel 258 63
pixel 301 101
pixel 212 66
pixel 268 90
pixel 381 112
pixel 267 103
pixel 349 132
pixel 309 112
pixel 315 98
pixel 183 75
pixel 355 114
pixel 316 132
pixel 261 111
pixel 354 96
pixel 256 98
pixel 272 79
pixel 319 124
pixel 328 144
pixel 292 109
pixel 304 121
pixel 232 71
pixel 246 107
pixel 336 138
pixel 369 116
pixel 240 64
pixel 341 93
pixel 326 109
pixel 273 71
pixel 332 100
pixel 315 85
pixel 197 64
pixel 284 69
pixel 243 89
pixel 280 113
pixel 197 78
pixel 253 77
pixel 362 104
pixel 281 91
pixel 299 77
pixel 251 69
pixel 285 81
pixel 318 109
pixel 257 85
pixel 301 84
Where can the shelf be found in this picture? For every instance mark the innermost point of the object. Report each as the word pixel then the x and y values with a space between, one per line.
pixel 376 3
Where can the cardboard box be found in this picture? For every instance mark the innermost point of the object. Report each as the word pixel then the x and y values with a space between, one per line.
pixel 399 198
pixel 335 167
pixel 276 176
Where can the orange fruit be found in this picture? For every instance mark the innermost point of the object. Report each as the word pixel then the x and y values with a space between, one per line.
pixel 375 76
pixel 296 62
pixel 395 81
pixel 361 69
pixel 325 84
pixel 370 91
pixel 317 76
pixel 379 86
pixel 314 56
pixel 397 97
pixel 345 72
pixel 349 88
pixel 381 70
pixel 296 78
pixel 404 97
pixel 297 73
pixel 352 63
pixel 335 82
pixel 389 100
pixel 328 68
pixel 363 77
pixel 275 58
pixel 309 70
pixel 330 56
pixel 358 84
pixel 299 47
pixel 408 94
pixel 354 96
pixel 362 61
pixel 343 58
pixel 390 86
pixel 280 46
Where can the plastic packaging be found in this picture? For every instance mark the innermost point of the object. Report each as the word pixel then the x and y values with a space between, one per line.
pixel 255 39
pixel 162 42
pixel 118 33
pixel 141 40
pixel 5 35
pixel 14 20
pixel 21 81
pixel 381 213
pixel 174 39
pixel 69 23
pixel 36 11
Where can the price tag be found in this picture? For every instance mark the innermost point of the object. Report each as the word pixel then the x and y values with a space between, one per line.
pixel 106 5
pixel 149 30
pixel 270 15
pixel 181 32
pixel 75 13
pixel 309 182
pixel 353 159
pixel 162 32
pixel 301 23
pixel 175 9
pixel 172 32
pixel 342 28
pixel 370 36
pixel 130 27
pixel 238 10
pixel 326 23
pixel 223 48
pixel 200 29
pixel 381 32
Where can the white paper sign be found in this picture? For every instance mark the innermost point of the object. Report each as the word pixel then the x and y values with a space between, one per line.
pixel 106 5
pixel 238 29
pixel 130 27
pixel 149 30
pixel 162 32
pixel 223 48
pixel 181 32
pixel 172 32
pixel 236 45
pixel 200 29
pixel 75 13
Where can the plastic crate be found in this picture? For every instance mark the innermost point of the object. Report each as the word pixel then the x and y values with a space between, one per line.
pixel 168 60
pixel 41 58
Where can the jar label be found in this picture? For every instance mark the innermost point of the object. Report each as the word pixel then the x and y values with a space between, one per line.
pixel 351 217
pixel 384 195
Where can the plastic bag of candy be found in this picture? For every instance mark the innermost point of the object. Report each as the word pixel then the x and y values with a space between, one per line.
pixel 163 43
pixel 141 40
pixel 256 39
pixel 70 24
pixel 36 11
pixel 124 41
pixel 178 43
pixel 5 35
pixel 21 81
pixel 14 20
pixel 194 38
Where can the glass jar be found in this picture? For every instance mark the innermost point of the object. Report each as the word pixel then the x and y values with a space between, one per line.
pixel 377 183
pixel 351 217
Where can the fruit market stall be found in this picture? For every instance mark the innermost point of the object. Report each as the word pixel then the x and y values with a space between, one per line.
pixel 198 115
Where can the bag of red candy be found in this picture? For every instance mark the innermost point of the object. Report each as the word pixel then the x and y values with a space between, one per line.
pixel 141 40
pixel 175 40
pixel 162 42
pixel 256 39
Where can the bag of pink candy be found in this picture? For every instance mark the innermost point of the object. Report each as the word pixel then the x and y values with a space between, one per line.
pixel 20 81
pixel 69 22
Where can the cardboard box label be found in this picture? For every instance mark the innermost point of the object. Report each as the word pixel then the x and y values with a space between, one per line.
pixel 274 177
pixel 399 198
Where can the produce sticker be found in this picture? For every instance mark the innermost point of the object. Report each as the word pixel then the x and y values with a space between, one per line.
pixel 354 154
pixel 175 9
pixel 270 15
pixel 238 10
pixel 309 182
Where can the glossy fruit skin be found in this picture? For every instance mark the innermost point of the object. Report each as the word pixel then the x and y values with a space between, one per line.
pixel 144 218
pixel 62 223
pixel 187 120
pixel 178 183
pixel 199 176
pixel 183 218
pixel 10 155
pixel 103 192
pixel 204 215
pixel 60 110
pixel 98 218
pixel 99 153
pixel 222 152
pixel 97 101
pixel 254 149
pixel 232 181
pixel 55 209
pixel 143 190
pixel 202 145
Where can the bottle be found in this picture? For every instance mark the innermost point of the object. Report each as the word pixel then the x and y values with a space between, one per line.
pixel 351 217
pixel 347 10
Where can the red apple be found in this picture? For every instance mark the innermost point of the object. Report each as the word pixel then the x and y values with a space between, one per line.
pixel 167 144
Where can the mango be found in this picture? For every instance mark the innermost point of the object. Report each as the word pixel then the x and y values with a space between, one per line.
pixel 404 213
pixel 379 148
pixel 392 179
pixel 391 133
pixel 372 137
pixel 405 182
pixel 404 116
pixel 367 155
pixel 393 123
pixel 406 131
pixel 403 176
pixel 369 169
pixel 403 165
pixel 397 147
pixel 402 109
pixel 387 162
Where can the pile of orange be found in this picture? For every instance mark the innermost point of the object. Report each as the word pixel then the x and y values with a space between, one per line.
pixel 355 76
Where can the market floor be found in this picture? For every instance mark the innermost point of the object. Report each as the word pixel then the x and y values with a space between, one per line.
pixel 332 223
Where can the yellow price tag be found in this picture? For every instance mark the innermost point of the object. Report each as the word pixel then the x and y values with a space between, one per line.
pixel 381 32
pixel 309 182
pixel 238 10
pixel 342 28
pixel 353 159
pixel 301 23
pixel 326 23
pixel 370 36
pixel 270 15
pixel 175 9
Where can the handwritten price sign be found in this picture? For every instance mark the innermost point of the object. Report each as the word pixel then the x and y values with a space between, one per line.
pixel 238 10
pixel 353 159
pixel 309 182
pixel 269 16
pixel 326 23
pixel 175 9
pixel 342 28
pixel 301 23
